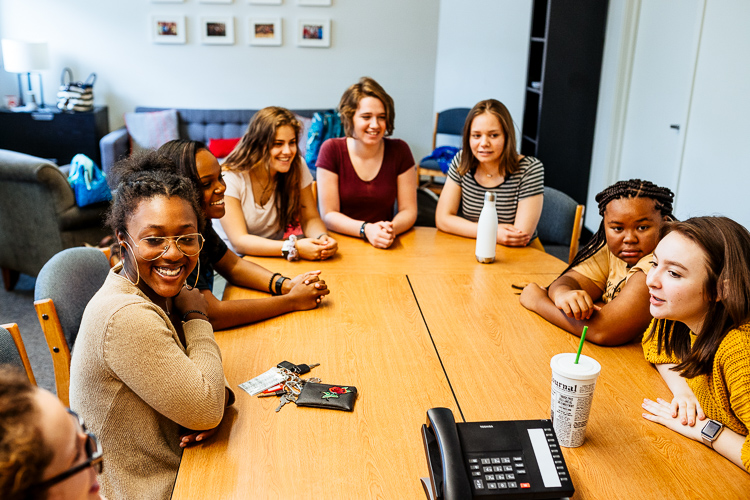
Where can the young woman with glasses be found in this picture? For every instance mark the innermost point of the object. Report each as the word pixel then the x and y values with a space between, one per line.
pixel 146 372
pixel 45 450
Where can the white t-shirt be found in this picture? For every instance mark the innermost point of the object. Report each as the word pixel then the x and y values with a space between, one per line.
pixel 260 220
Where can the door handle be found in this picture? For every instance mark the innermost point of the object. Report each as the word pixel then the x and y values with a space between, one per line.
pixel 675 126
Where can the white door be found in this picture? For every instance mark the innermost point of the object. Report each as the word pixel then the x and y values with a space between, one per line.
pixel 661 82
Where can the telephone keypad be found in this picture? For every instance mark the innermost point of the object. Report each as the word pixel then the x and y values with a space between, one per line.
pixel 496 473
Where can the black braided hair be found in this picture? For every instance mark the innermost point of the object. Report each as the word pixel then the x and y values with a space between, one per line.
pixel 146 175
pixel 633 188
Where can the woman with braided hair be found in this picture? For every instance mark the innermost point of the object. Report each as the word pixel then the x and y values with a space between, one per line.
pixel 611 269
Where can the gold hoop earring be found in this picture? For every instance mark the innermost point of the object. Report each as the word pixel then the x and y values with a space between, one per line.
pixel 197 277
pixel 124 262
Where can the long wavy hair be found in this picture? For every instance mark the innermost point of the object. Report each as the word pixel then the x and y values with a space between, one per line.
pixel 254 152
pixel 726 248
pixel 509 158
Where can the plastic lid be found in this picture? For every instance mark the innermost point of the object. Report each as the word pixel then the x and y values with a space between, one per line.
pixel 564 364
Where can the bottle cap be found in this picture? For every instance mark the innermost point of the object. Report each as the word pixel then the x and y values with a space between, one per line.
pixel 489 196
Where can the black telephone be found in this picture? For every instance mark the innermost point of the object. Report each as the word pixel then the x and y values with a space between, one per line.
pixel 493 460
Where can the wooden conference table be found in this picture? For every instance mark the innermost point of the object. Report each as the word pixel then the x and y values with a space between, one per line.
pixel 414 327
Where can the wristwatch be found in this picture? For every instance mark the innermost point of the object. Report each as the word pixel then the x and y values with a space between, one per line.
pixel 711 431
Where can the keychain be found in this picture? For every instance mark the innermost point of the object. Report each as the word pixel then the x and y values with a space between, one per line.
pixel 292 386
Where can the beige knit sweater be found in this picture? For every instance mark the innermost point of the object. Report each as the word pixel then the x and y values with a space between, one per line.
pixel 135 384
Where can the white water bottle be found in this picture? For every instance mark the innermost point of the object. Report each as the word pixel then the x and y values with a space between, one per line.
pixel 487 230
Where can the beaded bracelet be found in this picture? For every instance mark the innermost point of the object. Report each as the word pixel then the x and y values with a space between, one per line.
pixel 195 311
pixel 270 282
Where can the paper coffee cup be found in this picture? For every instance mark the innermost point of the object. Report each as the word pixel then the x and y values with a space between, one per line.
pixel 572 395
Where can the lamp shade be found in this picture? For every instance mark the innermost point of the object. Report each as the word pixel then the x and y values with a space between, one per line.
pixel 24 57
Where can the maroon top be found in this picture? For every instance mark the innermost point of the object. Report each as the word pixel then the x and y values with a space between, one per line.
pixel 371 201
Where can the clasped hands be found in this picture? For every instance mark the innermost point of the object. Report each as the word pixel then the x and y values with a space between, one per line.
pixel 308 290
pixel 320 248
pixel 510 236
pixel 380 234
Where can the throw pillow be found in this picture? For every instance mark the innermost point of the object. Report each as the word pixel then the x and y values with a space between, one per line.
pixel 221 148
pixel 151 130
pixel 302 145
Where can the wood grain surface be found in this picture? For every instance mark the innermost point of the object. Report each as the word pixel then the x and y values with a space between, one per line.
pixel 396 322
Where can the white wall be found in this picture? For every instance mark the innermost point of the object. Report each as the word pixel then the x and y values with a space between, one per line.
pixel 393 41
pixel 482 53
pixel 714 173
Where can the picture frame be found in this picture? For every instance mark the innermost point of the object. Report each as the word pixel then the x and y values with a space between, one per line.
pixel 264 2
pixel 168 29
pixel 265 31
pixel 217 30
pixel 314 3
pixel 314 32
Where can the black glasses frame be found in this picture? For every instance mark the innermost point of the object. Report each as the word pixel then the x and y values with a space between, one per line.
pixel 94 454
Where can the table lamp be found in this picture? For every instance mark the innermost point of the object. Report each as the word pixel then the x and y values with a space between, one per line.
pixel 26 57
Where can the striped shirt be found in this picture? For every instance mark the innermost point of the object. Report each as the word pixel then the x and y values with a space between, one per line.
pixel 527 181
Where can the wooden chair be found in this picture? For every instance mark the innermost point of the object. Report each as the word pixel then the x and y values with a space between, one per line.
pixel 12 350
pixel 63 289
pixel 560 224
pixel 448 122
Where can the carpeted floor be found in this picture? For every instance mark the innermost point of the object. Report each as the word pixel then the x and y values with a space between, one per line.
pixel 17 306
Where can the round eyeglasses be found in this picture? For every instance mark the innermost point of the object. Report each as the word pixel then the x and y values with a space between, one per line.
pixel 94 458
pixel 153 247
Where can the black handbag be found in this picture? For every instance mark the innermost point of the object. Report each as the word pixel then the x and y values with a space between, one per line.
pixel 75 96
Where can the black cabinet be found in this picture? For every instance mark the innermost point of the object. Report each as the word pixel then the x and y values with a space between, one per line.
pixel 54 135
pixel 562 90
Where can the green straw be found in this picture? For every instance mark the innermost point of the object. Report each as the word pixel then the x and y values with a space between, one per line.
pixel 580 344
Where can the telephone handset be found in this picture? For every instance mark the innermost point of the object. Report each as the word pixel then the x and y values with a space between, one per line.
pixel 516 459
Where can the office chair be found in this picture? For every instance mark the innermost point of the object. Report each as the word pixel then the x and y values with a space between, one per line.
pixel 448 122
pixel 12 350
pixel 63 288
pixel 560 224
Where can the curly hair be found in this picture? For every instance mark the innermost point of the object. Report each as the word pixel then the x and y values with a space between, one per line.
pixel 726 247
pixel 365 87
pixel 633 188
pixel 143 176
pixel 23 456
pixel 254 152
pixel 509 160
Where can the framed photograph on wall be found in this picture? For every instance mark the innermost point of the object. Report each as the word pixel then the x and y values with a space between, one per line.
pixel 167 29
pixel 264 2
pixel 314 3
pixel 314 32
pixel 217 30
pixel 265 31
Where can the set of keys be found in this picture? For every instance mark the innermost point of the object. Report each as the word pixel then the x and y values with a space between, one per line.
pixel 291 387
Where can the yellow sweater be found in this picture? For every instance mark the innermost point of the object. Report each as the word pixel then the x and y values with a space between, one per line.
pixel 724 395
pixel 136 386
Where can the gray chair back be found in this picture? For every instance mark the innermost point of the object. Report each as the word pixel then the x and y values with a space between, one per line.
pixel 9 354
pixel 556 223
pixel 70 279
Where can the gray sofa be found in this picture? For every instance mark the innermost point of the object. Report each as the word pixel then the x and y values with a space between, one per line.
pixel 39 216
pixel 194 124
